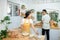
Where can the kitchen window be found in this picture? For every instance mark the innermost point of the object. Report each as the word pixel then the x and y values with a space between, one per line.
pixel 13 8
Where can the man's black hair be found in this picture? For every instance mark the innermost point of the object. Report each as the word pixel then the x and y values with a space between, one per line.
pixel 44 10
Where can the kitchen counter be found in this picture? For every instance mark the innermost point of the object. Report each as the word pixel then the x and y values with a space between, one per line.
pixel 53 25
pixel 39 26
pixel 18 36
pixel 54 34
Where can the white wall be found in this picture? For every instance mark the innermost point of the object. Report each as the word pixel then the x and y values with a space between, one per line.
pixel 15 1
pixel 48 6
pixel 3 11
pixel 39 7
pixel 3 8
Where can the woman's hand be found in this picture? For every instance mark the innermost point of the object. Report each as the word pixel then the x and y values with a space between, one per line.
pixel 35 30
pixel 37 33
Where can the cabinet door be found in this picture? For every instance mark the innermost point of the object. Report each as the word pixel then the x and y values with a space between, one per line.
pixel 39 16
pixel 54 16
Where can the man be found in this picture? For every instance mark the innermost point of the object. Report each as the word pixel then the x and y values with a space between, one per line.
pixel 46 24
pixel 23 10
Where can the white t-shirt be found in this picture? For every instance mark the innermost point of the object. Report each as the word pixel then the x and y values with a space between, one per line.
pixel 27 21
pixel 23 11
pixel 46 20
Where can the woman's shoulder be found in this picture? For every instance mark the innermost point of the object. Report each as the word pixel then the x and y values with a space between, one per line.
pixel 30 19
pixel 23 19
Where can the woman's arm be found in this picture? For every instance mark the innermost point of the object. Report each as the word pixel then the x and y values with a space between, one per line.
pixel 21 26
pixel 34 29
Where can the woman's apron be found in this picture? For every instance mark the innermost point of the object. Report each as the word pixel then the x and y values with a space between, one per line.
pixel 26 27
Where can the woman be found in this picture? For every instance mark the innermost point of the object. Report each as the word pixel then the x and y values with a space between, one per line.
pixel 27 23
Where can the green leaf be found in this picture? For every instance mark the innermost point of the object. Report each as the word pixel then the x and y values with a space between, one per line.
pixel 3 33
pixel 0 39
pixel 2 21
pixel 8 22
pixel 7 18
pixel 59 19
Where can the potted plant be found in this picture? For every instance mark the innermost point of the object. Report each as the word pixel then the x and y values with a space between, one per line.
pixel 6 22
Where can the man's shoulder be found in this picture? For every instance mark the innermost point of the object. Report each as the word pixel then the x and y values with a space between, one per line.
pixel 48 15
